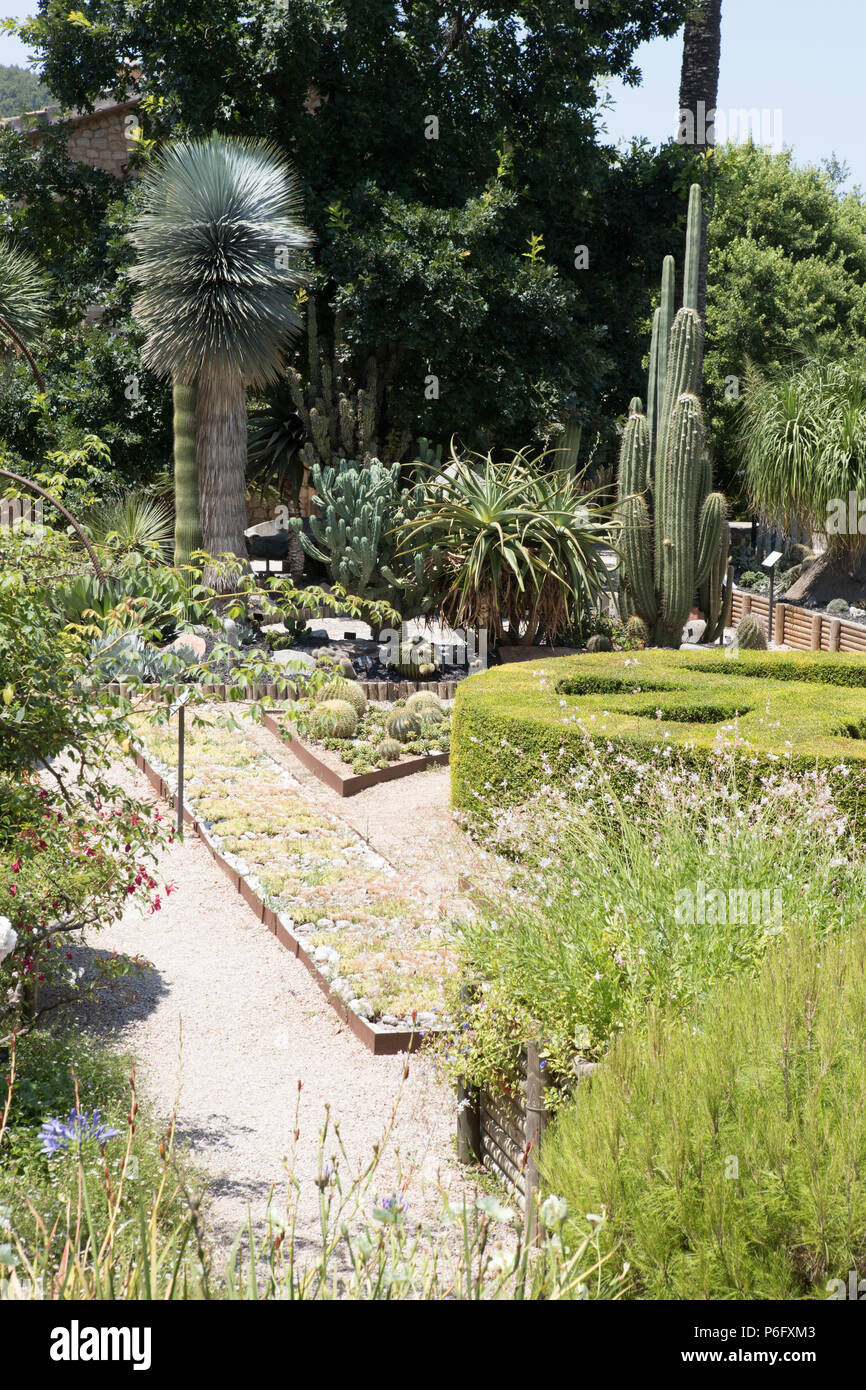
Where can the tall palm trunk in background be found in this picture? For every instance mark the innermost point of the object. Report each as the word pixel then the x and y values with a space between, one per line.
pixel 699 95
pixel 187 525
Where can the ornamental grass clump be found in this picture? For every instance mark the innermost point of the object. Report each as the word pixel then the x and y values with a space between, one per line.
pixel 642 886
pixel 728 1149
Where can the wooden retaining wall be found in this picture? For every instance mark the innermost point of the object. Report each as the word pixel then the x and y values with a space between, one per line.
pixel 381 691
pixel 800 628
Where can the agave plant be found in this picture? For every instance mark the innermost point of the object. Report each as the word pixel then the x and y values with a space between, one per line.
pixel 218 245
pixel 23 302
pixel 520 545
pixel 804 445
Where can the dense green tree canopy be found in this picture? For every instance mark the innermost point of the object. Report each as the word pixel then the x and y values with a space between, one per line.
pixel 20 91
pixel 787 275
pixel 451 167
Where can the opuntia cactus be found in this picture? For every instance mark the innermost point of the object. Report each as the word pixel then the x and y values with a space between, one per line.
pixel 674 529
pixel 750 634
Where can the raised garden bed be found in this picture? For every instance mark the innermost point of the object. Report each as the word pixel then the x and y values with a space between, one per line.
pixel 350 783
pixel 374 943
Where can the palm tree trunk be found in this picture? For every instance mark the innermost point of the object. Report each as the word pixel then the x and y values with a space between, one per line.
pixel 221 453
pixel 699 94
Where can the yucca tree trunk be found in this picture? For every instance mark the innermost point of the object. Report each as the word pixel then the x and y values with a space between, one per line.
pixel 187 525
pixel 221 453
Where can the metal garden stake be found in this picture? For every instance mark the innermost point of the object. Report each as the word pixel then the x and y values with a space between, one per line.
pixel 178 709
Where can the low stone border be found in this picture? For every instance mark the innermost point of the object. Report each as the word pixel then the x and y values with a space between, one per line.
pixel 380 1040
pixel 354 782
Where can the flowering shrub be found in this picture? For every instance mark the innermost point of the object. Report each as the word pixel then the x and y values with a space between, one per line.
pixel 72 867
pixel 641 884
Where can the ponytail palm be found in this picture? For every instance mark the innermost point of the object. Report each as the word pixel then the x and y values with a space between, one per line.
pixel 218 242
pixel 804 444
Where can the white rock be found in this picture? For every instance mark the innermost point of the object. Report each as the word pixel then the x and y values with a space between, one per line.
pixel 362 1007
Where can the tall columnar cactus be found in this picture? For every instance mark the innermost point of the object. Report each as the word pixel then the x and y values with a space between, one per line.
pixel 675 534
pixel 187 524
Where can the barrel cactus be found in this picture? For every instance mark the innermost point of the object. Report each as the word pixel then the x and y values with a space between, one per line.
pixel 424 699
pixel 334 719
pixel 750 634
pixel 328 659
pixel 674 528
pixel 415 661
pixel 837 607
pixel 599 643
pixel 403 725
pixel 342 689
pixel 637 629
pixel 390 749
pixel 429 714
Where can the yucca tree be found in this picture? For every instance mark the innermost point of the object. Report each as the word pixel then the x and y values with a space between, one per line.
pixel 23 302
pixel 219 242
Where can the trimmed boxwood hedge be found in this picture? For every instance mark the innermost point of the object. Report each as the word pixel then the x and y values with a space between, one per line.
pixel 808 709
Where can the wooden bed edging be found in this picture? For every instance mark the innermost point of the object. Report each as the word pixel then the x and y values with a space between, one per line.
pixel 357 781
pixel 381 1041
pixel 381 691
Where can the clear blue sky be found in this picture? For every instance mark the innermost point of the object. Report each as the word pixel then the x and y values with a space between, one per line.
pixel 804 58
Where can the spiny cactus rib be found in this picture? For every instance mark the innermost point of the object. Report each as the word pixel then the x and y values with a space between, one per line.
pixel 666 321
pixel 653 395
pixel 634 456
pixel 681 379
pixel 712 521
pixel 693 249
pixel 635 548
pixel 685 442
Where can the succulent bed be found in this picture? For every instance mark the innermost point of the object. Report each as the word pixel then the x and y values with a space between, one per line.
pixel 368 736
pixel 371 933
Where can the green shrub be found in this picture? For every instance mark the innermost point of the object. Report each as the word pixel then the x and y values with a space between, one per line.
pixel 729 1152
pixel 520 728
pixel 646 889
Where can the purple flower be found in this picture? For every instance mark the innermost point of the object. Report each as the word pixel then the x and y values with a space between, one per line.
pixel 59 1135
pixel 393 1203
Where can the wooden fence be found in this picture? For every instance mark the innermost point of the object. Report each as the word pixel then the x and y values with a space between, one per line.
pixel 800 628
pixel 502 1130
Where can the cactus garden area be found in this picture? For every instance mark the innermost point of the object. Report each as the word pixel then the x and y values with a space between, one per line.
pixel 432 671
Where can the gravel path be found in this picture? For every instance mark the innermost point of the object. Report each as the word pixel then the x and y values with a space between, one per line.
pixel 253 1025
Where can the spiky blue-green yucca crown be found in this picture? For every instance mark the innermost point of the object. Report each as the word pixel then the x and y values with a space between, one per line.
pixel 218 243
